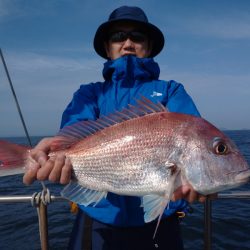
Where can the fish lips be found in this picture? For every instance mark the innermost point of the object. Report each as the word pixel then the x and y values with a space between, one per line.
pixel 243 177
pixel 236 180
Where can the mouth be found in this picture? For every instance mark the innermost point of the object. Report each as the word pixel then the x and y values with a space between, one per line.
pixel 129 53
pixel 243 176
pixel 240 174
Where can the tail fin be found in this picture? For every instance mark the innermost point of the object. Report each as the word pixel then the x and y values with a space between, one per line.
pixel 12 158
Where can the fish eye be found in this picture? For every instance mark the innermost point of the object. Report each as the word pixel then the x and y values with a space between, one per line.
pixel 220 147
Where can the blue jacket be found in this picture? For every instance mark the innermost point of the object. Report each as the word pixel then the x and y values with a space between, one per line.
pixel 126 79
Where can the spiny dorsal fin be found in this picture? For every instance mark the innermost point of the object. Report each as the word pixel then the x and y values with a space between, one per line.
pixel 83 129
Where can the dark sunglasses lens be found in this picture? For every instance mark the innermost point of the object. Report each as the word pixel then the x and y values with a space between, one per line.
pixel 137 36
pixel 118 37
pixel 121 36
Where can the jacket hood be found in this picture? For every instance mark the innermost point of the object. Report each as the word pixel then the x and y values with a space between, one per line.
pixel 131 68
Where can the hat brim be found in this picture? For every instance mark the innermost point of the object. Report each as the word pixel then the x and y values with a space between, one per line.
pixel 155 35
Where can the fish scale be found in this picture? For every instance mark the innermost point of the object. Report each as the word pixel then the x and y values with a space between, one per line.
pixel 143 151
pixel 117 162
pixel 117 155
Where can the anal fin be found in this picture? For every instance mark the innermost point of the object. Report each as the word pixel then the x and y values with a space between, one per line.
pixel 82 196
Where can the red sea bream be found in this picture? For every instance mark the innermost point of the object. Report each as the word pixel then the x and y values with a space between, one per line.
pixel 146 151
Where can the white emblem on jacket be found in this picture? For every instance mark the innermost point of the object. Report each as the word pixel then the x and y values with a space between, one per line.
pixel 156 94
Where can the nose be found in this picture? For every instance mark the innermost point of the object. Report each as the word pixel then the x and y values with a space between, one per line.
pixel 128 44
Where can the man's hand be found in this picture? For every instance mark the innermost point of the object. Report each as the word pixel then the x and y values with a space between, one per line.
pixel 187 193
pixel 41 167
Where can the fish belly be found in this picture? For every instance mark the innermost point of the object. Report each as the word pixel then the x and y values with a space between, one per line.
pixel 130 165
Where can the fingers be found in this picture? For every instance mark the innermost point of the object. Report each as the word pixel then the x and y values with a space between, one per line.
pixel 41 167
pixel 30 175
pixel 45 170
pixel 192 196
pixel 188 193
pixel 55 172
pixel 39 156
pixel 66 172
pixel 202 198
pixel 61 171
pixel 40 152
pixel 185 192
pixel 177 195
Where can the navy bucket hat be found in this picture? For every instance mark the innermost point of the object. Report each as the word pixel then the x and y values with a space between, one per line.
pixel 132 14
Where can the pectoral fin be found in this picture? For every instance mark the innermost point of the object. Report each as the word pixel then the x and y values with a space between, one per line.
pixel 154 205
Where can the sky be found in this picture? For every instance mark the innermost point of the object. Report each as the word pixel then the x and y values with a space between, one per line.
pixel 47 46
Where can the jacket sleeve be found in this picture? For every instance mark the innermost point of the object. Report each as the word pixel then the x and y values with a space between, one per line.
pixel 83 106
pixel 179 101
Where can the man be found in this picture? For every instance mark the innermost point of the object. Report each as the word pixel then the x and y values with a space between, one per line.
pixel 128 42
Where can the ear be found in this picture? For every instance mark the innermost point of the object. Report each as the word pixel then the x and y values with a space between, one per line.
pixel 106 46
pixel 150 47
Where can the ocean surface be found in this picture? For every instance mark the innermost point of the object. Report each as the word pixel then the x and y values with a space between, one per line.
pixel 19 221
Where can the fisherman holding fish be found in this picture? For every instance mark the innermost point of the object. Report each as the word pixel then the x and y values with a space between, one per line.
pixel 129 42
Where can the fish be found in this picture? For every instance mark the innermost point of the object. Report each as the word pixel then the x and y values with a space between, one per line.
pixel 145 151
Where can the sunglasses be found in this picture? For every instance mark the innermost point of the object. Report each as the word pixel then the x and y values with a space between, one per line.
pixel 121 36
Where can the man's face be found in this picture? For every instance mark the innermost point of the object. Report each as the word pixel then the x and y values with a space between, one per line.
pixel 127 38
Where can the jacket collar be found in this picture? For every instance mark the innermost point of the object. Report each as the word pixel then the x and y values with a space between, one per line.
pixel 131 68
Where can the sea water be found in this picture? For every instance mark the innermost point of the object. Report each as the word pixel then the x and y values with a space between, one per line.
pixel 19 221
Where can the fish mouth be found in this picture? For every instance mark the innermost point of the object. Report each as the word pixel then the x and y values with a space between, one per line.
pixel 243 176
pixel 239 178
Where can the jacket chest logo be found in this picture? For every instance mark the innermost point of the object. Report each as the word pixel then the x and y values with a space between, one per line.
pixel 156 94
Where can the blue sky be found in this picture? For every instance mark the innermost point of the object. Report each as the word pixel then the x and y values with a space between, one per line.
pixel 48 49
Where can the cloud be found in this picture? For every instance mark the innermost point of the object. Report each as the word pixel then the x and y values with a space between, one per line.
pixel 42 76
pixel 31 62
pixel 28 68
pixel 44 85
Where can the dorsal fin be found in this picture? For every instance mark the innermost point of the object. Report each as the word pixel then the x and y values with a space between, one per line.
pixel 83 129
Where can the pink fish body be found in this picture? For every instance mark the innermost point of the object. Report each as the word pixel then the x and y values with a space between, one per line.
pixel 149 155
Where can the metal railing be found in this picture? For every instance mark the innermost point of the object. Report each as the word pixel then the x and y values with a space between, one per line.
pixel 40 201
pixel 208 213
pixel 25 198
pixel 42 212
pixel 28 198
